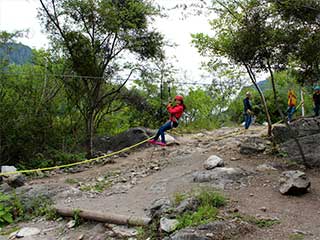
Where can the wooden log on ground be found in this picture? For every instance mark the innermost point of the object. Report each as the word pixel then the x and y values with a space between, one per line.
pixel 104 217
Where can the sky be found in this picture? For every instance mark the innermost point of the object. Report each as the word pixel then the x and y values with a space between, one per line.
pixel 22 15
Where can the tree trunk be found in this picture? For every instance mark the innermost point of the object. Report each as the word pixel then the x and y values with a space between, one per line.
pixel 89 134
pixel 254 81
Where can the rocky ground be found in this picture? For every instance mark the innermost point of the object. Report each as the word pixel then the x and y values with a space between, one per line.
pixel 130 183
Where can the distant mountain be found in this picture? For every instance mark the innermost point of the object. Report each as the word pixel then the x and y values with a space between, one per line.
pixel 16 53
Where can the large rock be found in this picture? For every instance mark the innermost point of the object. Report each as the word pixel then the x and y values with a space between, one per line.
pixel 13 180
pixel 213 161
pixel 160 207
pixel 6 169
pixel 220 176
pixel 122 140
pixel 253 145
pixel 218 230
pixel 294 183
pixel 307 130
pixel 189 204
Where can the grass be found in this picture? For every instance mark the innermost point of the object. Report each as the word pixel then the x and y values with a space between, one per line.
pixel 261 223
pixel 71 181
pixel 97 187
pixel 179 197
pixel 207 211
pixel 296 236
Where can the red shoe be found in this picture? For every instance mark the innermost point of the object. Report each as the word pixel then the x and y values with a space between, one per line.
pixel 152 141
pixel 161 144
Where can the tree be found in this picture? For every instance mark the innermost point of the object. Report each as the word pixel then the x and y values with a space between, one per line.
pixel 235 40
pixel 257 40
pixel 93 35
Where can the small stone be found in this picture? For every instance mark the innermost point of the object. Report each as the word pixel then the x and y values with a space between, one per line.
pixel 251 195
pixel 263 209
pixel 71 224
pixel 168 225
pixel 27 231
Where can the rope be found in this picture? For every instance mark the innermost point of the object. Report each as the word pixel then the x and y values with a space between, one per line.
pixel 77 163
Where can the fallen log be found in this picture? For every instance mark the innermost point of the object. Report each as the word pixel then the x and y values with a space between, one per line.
pixel 104 217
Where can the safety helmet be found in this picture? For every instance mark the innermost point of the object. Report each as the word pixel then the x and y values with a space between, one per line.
pixel 317 88
pixel 179 97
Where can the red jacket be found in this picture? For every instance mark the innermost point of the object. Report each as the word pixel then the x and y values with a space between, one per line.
pixel 175 112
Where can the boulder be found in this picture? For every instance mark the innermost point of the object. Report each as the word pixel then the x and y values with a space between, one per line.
pixel 311 149
pixel 6 169
pixel 16 180
pixel 122 140
pixel 213 162
pixel 160 207
pixel 189 204
pixel 307 130
pixel 294 183
pixel 253 145
pixel 13 180
pixel 220 177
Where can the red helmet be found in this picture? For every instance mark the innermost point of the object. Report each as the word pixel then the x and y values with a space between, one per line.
pixel 179 97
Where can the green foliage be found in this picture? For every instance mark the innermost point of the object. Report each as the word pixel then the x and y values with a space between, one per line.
pixel 93 35
pixel 261 223
pixel 203 215
pixel 5 211
pixel 76 217
pixel 211 198
pixel 284 81
pixel 179 197
pixel 209 202
pixel 13 208
pixel 296 236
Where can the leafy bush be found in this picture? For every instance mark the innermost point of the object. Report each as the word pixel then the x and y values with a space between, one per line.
pixel 209 202
pixel 5 211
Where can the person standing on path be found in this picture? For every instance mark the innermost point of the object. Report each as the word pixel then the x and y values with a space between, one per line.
pixel 292 102
pixel 176 112
pixel 247 110
pixel 316 101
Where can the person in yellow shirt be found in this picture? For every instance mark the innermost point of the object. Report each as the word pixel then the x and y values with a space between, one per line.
pixel 292 102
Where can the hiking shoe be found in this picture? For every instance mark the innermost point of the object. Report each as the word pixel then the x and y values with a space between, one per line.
pixel 152 141
pixel 162 144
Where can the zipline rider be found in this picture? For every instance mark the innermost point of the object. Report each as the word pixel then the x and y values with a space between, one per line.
pixel 176 112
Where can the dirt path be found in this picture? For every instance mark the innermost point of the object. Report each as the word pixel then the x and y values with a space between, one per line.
pixel 161 172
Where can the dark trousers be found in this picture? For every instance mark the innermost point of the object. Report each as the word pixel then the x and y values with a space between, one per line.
pixel 247 120
pixel 316 110
pixel 290 111
pixel 165 127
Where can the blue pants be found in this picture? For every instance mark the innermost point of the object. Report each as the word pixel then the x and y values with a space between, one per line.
pixel 290 112
pixel 247 120
pixel 162 129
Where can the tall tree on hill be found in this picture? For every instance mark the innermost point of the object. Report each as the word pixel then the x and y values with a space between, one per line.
pixel 93 35
pixel 235 39
pixel 256 38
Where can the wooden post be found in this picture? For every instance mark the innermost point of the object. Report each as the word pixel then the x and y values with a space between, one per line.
pixel 302 100
pixel 104 217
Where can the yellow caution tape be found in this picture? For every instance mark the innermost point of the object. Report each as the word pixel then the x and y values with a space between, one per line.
pixel 77 163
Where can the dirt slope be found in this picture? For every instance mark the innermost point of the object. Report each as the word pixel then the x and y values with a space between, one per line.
pixel 153 172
